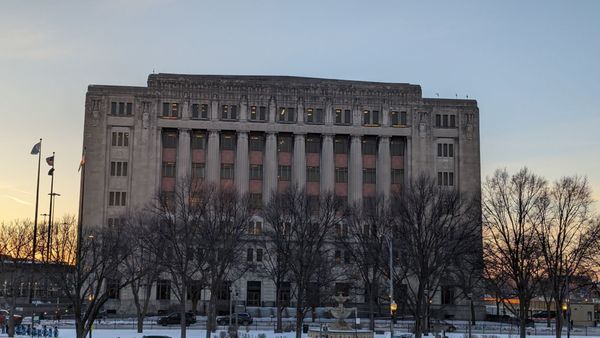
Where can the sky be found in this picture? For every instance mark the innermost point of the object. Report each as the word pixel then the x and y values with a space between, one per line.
pixel 533 67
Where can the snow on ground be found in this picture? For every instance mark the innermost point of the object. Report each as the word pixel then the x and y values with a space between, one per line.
pixel 197 333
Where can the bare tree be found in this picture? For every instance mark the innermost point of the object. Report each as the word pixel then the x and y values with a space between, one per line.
pixel 310 220
pixel 173 236
pixel 512 249
pixel 84 269
pixel 142 264
pixel 363 237
pixel 15 256
pixel 276 242
pixel 222 230
pixel 435 227
pixel 567 237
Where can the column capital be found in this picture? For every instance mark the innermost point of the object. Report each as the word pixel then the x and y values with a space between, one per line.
pixel 184 130
pixel 384 137
pixel 242 133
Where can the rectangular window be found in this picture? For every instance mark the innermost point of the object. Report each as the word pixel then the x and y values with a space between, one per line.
pixel 198 140
pixel 438 120
pixel 340 145
pixel 117 198
pixel 170 110
pixel 255 228
pixel 313 144
pixel 259 255
pixel 445 178
pixel 163 289
pixel 120 139
pixel 227 171
pixel 445 150
pixel 169 139
pixel 314 115
pixel 112 288
pixel 284 173
pixel 229 112
pixel 249 255
pixel 121 108
pixel 369 176
pixel 369 146
pixel 168 169
pixel 447 295
pixel 341 175
pixel 285 143
pixel 371 118
pixel 256 143
pixel 338 256
pixel 313 174
pixel 445 121
pixel 343 116
pixel 255 201
pixel 287 114
pixel 195 111
pixel 397 176
pixel 227 141
pixel 253 293
pixel 397 119
pixel 118 168
pixel 256 172
pixel 396 147
pixel 200 111
pixel 198 170
pixel 452 121
pixel 258 113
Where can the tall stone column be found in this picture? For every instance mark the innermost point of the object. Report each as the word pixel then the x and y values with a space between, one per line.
pixel 299 161
pixel 242 166
pixel 355 179
pixel 384 167
pixel 270 167
pixel 184 156
pixel 327 164
pixel 213 158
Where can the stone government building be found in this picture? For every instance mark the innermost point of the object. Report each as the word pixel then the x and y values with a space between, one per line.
pixel 261 134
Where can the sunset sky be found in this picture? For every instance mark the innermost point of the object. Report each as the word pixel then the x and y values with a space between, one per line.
pixel 533 67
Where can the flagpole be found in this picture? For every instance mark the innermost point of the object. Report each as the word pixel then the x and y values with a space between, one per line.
pixel 81 196
pixel 37 199
pixel 50 217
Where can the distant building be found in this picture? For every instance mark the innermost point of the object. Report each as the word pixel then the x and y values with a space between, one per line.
pixel 261 134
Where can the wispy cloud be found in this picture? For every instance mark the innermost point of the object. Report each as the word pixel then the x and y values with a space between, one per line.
pixel 18 200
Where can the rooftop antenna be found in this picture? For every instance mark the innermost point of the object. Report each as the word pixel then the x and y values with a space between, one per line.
pixel 437 94
pixel 153 71
pixel 456 95
pixel 467 96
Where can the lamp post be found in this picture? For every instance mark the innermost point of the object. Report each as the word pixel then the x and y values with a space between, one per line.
pixel 470 295
pixel 393 305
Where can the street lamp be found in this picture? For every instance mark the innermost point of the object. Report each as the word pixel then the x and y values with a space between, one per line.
pixel 393 305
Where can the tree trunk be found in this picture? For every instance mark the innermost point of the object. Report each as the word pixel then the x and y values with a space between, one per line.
pixel 522 319
pixel 418 319
pixel 278 329
pixel 211 315
pixel 371 309
pixel 183 318
pixel 299 314
pixel 472 312
pixel 548 319
pixel 140 323
pixel 559 317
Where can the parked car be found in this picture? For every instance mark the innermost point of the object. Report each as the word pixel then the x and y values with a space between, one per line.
pixel 543 315
pixel 175 318
pixel 441 325
pixel 4 318
pixel 242 319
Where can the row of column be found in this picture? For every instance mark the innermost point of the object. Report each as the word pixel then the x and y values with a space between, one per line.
pixel 270 163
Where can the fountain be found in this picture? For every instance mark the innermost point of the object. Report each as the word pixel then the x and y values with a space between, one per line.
pixel 340 329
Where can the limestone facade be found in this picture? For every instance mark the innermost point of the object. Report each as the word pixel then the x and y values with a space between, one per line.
pixel 263 133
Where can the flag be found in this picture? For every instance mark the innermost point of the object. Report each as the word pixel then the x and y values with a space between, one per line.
pixel 36 148
pixel 51 172
pixel 82 162
pixel 50 160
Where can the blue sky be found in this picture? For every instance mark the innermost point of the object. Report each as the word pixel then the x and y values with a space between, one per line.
pixel 532 66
